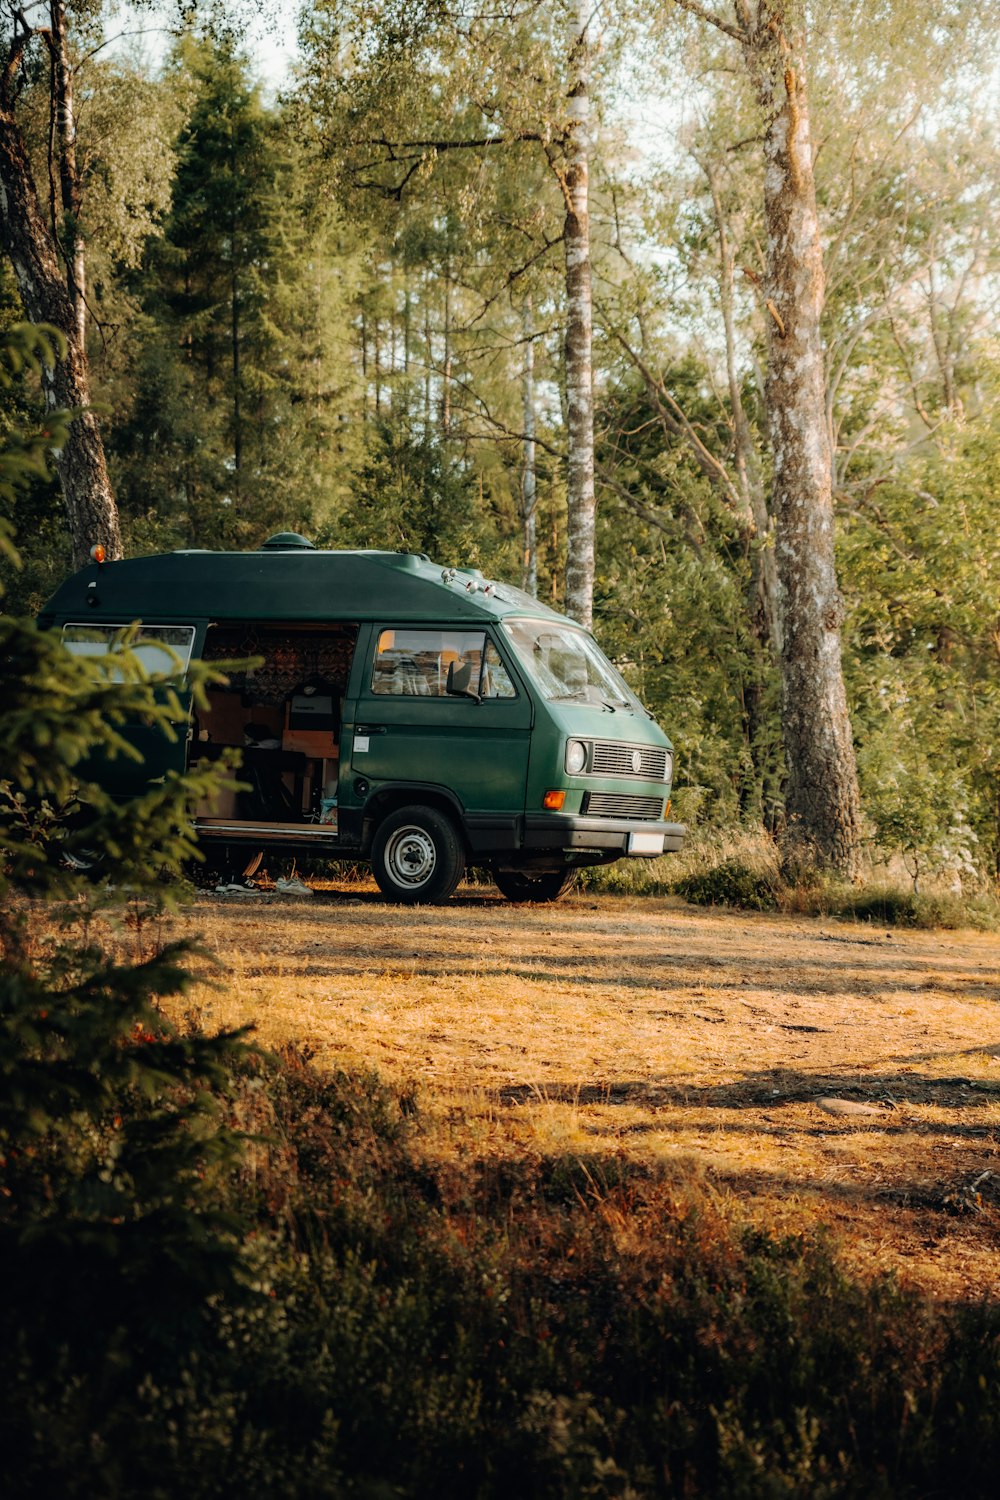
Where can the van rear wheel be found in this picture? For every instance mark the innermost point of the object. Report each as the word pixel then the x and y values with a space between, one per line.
pixel 417 856
pixel 542 885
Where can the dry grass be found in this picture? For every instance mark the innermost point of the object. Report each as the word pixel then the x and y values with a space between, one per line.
pixel 612 1026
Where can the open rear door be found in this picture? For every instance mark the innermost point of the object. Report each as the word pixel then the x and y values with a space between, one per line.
pixel 164 651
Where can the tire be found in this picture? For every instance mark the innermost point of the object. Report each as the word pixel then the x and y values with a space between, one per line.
pixel 82 862
pixel 545 885
pixel 417 856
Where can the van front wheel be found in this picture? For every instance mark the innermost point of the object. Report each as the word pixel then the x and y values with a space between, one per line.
pixel 417 856
pixel 544 885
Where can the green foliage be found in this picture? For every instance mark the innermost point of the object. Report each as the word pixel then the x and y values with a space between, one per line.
pixel 671 603
pixel 889 904
pixel 410 495
pixel 58 711
pixel 731 883
pixel 24 454
pixel 234 406
pixel 113 1228
pixel 744 868
pixel 923 566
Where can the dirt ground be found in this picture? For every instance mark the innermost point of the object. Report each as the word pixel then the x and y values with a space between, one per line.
pixel 802 1069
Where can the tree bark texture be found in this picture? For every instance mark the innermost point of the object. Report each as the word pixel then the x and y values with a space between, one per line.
pixel 579 329
pixel 446 357
pixel 822 800
pixel 64 120
pixel 234 322
pixel 529 498
pixel 47 298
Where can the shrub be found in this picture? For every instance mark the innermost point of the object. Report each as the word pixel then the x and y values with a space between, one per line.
pixel 116 1241
pixel 732 883
pixel 744 868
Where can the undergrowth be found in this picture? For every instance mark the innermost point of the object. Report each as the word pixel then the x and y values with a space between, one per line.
pixel 487 1328
pixel 743 868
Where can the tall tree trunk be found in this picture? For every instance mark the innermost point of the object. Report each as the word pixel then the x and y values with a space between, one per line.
pixel 28 241
pixel 234 333
pixel 407 318
pixel 822 800
pixel 69 177
pixel 428 362
pixel 446 361
pixel 529 499
pixel 364 367
pixel 579 326
pixel 376 327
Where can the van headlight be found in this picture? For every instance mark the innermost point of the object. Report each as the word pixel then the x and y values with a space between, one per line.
pixel 576 757
pixel 668 769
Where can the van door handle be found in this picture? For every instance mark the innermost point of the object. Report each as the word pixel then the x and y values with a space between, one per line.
pixel 369 729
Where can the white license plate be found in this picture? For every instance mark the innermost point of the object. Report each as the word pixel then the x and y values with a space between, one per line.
pixel 645 843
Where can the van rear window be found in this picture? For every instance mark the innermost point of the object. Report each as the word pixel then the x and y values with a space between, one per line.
pixel 439 664
pixel 161 650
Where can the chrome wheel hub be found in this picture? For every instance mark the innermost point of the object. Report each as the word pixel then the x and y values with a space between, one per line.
pixel 410 856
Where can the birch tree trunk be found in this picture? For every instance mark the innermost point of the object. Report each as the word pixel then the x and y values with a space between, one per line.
pixel 579 326
pixel 822 799
pixel 446 357
pixel 529 499
pixel 50 295
pixel 69 177
pixel 428 362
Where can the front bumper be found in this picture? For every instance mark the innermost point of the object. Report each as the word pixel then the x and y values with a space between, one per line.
pixel 601 835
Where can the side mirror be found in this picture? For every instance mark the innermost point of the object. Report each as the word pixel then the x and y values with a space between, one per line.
pixel 457 685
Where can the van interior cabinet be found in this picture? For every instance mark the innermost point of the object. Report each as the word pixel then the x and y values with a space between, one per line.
pixel 283 713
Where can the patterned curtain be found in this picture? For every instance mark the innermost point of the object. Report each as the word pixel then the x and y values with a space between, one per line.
pixel 290 658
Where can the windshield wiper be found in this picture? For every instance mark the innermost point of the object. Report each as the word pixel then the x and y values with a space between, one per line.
pixel 582 696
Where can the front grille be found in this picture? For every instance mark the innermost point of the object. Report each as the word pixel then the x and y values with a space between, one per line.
pixel 622 805
pixel 610 758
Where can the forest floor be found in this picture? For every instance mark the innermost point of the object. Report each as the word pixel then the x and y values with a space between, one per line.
pixel 800 1070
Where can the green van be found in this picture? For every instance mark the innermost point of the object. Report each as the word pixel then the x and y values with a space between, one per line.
pixel 414 716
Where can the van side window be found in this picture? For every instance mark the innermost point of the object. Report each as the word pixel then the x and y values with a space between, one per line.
pixel 162 650
pixel 420 663
pixel 496 679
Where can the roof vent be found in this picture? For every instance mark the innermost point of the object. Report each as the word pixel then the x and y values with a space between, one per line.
pixel 287 541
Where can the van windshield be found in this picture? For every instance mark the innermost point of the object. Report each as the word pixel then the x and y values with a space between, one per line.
pixel 567 665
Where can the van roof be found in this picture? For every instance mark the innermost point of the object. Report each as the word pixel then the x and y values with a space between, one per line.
pixel 286 580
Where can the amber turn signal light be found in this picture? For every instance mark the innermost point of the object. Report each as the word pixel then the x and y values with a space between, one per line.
pixel 554 801
pixel 97 553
